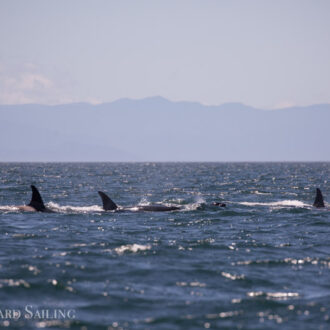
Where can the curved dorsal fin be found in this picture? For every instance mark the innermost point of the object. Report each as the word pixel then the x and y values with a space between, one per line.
pixel 108 204
pixel 318 199
pixel 36 200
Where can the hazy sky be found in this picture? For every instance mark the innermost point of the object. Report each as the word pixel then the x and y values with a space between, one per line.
pixel 263 53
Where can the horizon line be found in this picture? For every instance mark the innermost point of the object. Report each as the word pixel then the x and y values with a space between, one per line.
pixel 162 161
pixel 163 99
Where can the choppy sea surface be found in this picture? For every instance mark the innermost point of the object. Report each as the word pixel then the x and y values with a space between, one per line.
pixel 263 262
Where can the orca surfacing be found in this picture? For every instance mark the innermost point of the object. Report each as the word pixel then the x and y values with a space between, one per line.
pixel 36 204
pixel 109 205
pixel 318 202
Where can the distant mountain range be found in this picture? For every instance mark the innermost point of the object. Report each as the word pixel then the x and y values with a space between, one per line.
pixel 156 129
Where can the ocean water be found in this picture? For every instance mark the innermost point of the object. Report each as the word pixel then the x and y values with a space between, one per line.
pixel 263 262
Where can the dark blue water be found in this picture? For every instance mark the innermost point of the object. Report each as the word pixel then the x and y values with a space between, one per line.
pixel 261 263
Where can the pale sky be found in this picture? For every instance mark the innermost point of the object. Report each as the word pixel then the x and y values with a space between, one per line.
pixel 267 54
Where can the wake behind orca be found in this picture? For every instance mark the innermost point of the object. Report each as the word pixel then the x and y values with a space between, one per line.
pixel 109 205
pixel 318 203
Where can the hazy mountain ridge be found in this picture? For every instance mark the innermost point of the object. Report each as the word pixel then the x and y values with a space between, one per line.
pixel 160 130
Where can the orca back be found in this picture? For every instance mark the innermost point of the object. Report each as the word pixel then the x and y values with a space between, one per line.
pixel 36 200
pixel 157 208
pixel 108 204
pixel 318 199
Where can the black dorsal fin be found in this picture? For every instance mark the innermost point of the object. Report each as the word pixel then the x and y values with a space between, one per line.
pixel 108 204
pixel 36 200
pixel 318 199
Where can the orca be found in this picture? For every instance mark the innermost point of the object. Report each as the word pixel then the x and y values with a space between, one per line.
pixel 318 202
pixel 109 205
pixel 36 204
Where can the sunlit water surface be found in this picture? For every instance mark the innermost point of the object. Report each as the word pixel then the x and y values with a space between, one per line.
pixel 263 262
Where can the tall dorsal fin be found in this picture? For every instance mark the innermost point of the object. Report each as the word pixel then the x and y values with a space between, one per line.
pixel 108 204
pixel 318 199
pixel 36 200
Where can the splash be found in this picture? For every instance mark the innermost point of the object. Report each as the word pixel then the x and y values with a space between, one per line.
pixel 200 201
pixel 143 202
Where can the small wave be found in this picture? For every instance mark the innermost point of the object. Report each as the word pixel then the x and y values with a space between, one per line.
pixel 232 277
pixel 256 192
pixel 12 282
pixel 223 315
pixel 273 295
pixel 285 203
pixel 191 284
pixel 132 248
pixel 74 209
pixel 54 323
